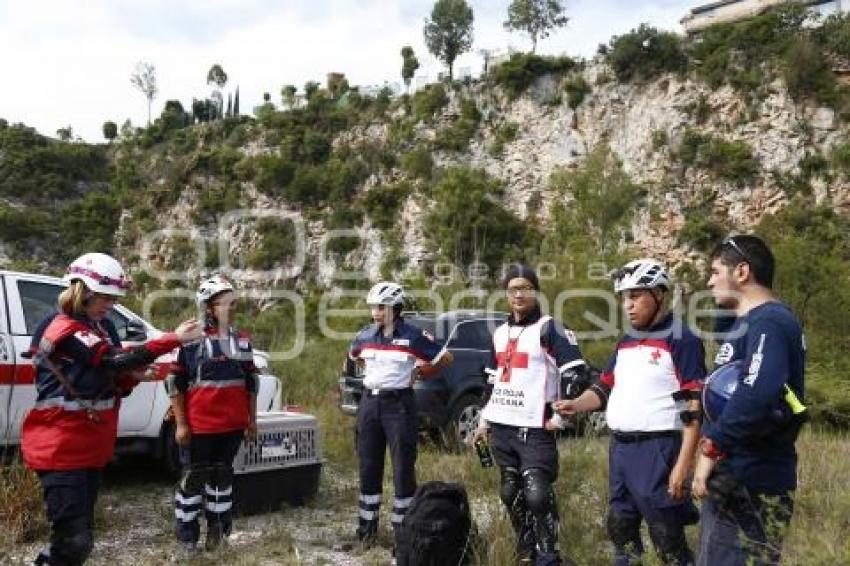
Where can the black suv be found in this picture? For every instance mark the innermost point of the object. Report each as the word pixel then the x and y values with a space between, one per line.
pixel 450 403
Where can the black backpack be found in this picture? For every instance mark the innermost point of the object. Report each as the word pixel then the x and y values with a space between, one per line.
pixel 437 528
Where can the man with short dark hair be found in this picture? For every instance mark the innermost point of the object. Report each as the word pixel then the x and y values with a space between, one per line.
pixel 747 467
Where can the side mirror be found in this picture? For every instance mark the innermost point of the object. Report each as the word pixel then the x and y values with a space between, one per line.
pixel 135 331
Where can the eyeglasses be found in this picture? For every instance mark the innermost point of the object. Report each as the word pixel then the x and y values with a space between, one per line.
pixel 730 241
pixel 521 290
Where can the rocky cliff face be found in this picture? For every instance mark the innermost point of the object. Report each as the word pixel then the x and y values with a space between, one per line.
pixel 643 124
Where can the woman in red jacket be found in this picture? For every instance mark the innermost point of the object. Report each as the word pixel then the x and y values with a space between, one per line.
pixel 81 374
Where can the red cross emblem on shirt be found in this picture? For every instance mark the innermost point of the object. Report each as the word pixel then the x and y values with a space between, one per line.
pixel 655 355
pixel 510 359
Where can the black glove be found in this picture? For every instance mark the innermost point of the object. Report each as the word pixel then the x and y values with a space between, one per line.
pixel 575 380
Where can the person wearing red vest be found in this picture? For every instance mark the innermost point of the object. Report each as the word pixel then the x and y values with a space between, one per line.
pixel 81 375
pixel 213 390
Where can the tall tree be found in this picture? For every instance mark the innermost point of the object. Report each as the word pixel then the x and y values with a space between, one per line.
pixel 536 18
pixel 448 32
pixel 229 111
pixel 144 79
pixel 236 102
pixel 110 130
pixel 409 64
pixel 287 95
pixel 216 76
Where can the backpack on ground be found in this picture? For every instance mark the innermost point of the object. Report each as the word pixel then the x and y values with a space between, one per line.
pixel 437 528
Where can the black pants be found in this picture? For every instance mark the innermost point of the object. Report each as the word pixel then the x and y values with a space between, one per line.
pixel 528 459
pixel 69 496
pixel 207 479
pixel 386 419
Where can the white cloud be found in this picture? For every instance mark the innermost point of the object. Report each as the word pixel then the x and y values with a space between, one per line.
pixel 68 62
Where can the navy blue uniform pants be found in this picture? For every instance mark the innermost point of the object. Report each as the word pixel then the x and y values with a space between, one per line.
pixel 386 420
pixel 638 476
pixel 69 496
pixel 206 481
pixel 746 529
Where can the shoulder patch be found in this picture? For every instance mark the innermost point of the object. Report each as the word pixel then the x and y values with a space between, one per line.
pixel 428 335
pixel 87 337
pixel 724 354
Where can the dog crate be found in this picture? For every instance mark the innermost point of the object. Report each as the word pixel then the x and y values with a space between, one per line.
pixel 282 465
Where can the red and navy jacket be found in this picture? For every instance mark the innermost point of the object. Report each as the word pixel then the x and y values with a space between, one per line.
pixel 755 429
pixel 74 421
pixel 218 377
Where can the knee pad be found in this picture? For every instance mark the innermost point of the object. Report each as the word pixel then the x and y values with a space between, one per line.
pixel 669 540
pixel 193 479
pixel 511 488
pixel 537 488
pixel 623 530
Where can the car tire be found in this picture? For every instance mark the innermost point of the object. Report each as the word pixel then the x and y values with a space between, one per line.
pixel 463 419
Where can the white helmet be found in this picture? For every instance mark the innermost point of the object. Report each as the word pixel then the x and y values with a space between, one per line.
pixel 100 273
pixel 640 274
pixel 385 293
pixel 212 287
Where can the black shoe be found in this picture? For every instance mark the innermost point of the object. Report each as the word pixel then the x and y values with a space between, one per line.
pixel 188 549
pixel 367 536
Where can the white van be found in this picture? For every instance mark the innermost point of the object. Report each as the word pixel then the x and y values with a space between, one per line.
pixel 143 426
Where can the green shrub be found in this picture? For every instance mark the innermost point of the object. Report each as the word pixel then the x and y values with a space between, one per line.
pixel 700 232
pixel 382 204
pixel 727 160
pixel 576 88
pixel 840 158
pixel 273 173
pixel 456 137
pixel 505 134
pixel 645 53
pixel 277 244
pixel 658 139
pixel 469 224
pixel 427 101
pixel 519 72
pixel 418 163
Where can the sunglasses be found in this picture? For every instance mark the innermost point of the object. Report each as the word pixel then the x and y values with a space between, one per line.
pixel 730 241
pixel 102 279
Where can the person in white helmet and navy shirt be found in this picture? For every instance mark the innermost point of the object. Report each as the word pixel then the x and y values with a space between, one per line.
pixel 82 372
pixel 213 390
pixel 534 354
pixel 651 389
pixel 390 349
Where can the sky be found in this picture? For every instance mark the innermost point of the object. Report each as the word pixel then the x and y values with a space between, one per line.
pixel 68 62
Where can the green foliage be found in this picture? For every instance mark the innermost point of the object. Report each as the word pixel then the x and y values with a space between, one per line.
pixel 35 169
pixel 469 224
pixel 808 71
pixel 448 31
pixel 536 18
pixel 505 134
pixel 603 200
pixel 644 53
pixel 519 72
pixel 418 163
pixel 382 203
pixel 699 110
pixel 409 64
pixel 840 158
pixel 110 130
pixel 277 244
pixel 456 137
pixel 427 101
pixel 576 88
pixel 700 232
pixel 728 160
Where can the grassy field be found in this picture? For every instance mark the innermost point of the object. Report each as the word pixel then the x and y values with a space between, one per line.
pixel 134 513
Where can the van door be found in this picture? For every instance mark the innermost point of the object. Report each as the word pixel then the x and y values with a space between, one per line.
pixel 7 369
pixel 27 303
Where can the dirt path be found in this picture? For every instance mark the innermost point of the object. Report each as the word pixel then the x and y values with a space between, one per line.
pixel 135 514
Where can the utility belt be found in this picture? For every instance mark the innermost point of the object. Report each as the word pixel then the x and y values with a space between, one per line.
pixel 632 437
pixel 388 393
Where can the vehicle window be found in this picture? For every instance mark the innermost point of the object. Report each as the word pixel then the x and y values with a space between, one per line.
pixel 471 334
pixel 38 300
pixel 120 322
